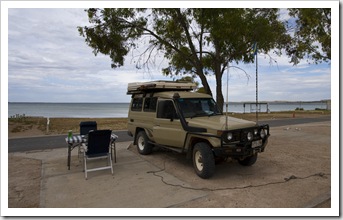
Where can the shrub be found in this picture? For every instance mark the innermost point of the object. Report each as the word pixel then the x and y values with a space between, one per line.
pixel 299 109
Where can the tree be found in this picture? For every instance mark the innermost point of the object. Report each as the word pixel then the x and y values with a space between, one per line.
pixel 198 42
pixel 190 79
pixel 312 34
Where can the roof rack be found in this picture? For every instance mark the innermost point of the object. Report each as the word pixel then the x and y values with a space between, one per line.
pixel 153 86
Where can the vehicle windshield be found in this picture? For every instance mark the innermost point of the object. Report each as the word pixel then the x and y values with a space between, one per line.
pixel 197 107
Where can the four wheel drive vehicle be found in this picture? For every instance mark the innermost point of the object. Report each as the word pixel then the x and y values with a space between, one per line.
pixel 170 115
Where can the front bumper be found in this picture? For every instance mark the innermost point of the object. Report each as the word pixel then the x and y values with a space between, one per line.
pixel 238 151
pixel 241 147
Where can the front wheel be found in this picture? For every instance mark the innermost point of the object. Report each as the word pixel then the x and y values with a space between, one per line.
pixel 143 145
pixel 248 161
pixel 203 160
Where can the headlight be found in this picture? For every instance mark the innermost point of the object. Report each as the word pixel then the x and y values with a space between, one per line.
pixel 262 133
pixel 249 136
pixel 229 136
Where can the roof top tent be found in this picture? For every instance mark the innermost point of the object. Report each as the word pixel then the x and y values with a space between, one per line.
pixel 155 86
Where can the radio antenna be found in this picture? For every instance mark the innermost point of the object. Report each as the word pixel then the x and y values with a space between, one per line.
pixel 227 97
pixel 255 54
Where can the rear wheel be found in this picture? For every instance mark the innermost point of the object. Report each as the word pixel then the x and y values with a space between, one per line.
pixel 248 161
pixel 143 145
pixel 203 160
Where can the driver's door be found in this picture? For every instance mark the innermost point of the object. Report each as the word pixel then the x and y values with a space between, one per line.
pixel 167 129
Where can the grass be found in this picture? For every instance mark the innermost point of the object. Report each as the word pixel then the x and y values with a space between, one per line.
pixel 26 123
pixel 63 125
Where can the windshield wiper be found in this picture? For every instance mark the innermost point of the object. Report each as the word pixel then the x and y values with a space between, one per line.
pixel 200 114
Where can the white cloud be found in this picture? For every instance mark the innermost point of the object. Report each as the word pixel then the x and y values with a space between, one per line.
pixel 48 58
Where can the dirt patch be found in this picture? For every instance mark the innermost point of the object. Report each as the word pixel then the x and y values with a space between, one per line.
pixel 24 182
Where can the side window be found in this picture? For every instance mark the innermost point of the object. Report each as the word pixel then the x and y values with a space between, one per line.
pixel 166 109
pixel 137 104
pixel 150 104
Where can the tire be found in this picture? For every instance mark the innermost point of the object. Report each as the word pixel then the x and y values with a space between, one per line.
pixel 248 161
pixel 143 145
pixel 203 160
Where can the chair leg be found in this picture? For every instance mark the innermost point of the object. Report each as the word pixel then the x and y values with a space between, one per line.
pixel 115 152
pixel 109 161
pixel 110 157
pixel 80 150
pixel 85 165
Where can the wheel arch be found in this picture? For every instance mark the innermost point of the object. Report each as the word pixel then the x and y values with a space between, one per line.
pixel 138 129
pixel 192 141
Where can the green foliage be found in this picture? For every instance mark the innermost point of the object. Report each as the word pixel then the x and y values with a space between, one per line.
pixel 201 90
pixel 113 33
pixel 299 109
pixel 187 79
pixel 202 41
pixel 312 37
pixel 191 80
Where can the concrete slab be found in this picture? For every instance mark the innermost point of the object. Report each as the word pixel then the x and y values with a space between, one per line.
pixel 295 171
pixel 132 185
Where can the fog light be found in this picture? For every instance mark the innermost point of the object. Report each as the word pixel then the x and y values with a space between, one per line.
pixel 255 132
pixel 249 136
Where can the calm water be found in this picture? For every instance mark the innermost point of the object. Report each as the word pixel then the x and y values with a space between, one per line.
pixel 70 110
pixel 119 110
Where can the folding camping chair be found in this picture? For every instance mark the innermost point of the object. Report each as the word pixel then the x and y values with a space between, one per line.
pixel 98 148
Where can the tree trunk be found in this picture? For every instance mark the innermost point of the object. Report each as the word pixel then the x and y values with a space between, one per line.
pixel 218 73
pixel 220 98
pixel 204 82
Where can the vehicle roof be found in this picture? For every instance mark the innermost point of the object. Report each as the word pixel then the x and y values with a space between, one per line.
pixel 159 86
pixel 182 94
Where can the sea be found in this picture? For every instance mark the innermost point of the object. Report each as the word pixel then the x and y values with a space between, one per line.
pixel 120 110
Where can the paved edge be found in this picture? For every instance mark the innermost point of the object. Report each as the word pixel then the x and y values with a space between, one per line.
pixel 318 200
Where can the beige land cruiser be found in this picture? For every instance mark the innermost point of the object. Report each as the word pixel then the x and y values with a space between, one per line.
pixel 168 114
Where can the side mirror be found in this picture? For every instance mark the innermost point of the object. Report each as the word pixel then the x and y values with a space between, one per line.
pixel 172 116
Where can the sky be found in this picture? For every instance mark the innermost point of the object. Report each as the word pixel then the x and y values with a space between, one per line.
pixel 48 61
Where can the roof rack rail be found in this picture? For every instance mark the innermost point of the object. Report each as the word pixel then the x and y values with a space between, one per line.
pixel 153 86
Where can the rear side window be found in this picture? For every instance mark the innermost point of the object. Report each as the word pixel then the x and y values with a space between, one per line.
pixel 150 104
pixel 137 104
